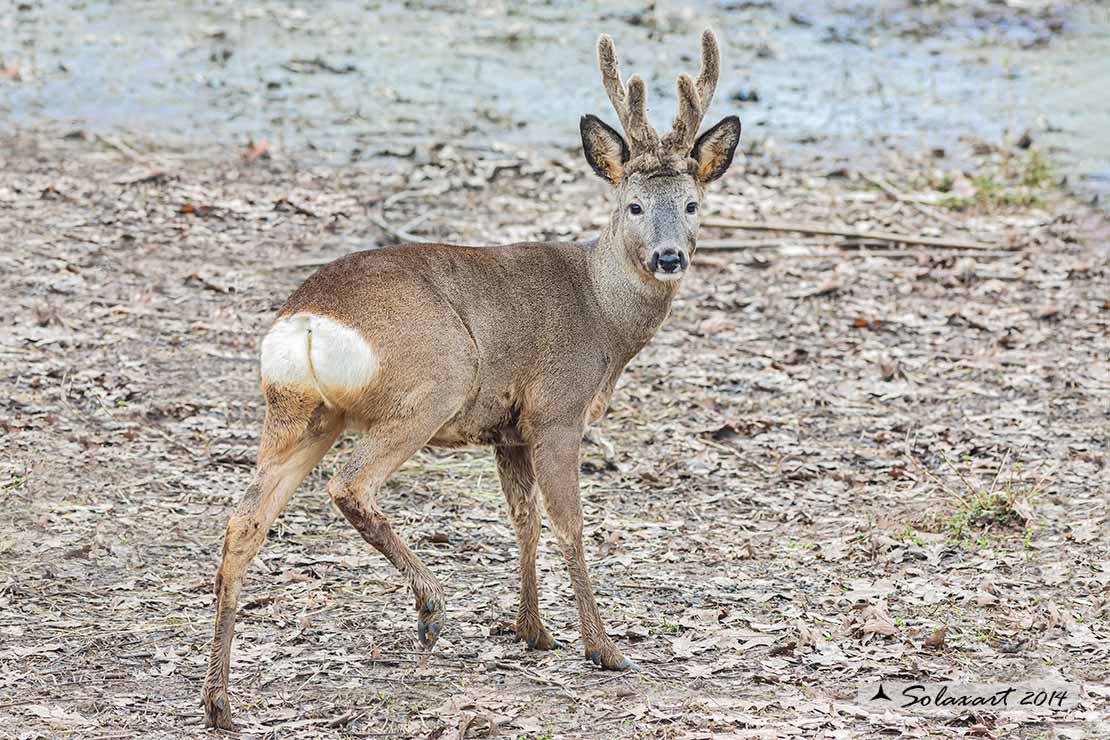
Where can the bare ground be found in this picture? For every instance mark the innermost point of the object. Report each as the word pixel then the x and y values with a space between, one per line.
pixel 778 523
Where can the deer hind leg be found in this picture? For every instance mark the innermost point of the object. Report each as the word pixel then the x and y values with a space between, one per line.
pixel 518 483
pixel 298 431
pixel 355 488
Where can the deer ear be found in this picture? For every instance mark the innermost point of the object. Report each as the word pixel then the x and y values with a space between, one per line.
pixel 714 149
pixel 605 149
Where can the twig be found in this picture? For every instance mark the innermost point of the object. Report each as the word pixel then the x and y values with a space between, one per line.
pixel 505 665
pixel 849 246
pixel 936 481
pixel 974 491
pixel 393 231
pixel 728 245
pixel 1040 486
pixel 320 262
pixel 120 147
pixel 299 66
pixel 860 248
pixel 998 473
pixel 151 177
pixel 651 587
pixel 184 448
pixel 881 183
pixel 901 197
pixel 283 204
pixel 807 228
pixel 344 719
pixel 399 196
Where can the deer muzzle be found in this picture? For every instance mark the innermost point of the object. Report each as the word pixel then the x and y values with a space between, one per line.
pixel 669 263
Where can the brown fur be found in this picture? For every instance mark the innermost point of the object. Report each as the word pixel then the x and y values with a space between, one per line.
pixel 518 347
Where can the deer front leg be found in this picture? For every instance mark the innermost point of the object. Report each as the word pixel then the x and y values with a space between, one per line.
pixel 518 483
pixel 556 463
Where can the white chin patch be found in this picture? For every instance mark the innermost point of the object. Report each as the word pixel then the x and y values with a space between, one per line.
pixel 668 277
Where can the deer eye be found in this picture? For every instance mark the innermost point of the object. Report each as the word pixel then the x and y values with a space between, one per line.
pixel 691 207
pixel 635 209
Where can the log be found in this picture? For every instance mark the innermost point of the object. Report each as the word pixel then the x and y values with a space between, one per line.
pixel 808 228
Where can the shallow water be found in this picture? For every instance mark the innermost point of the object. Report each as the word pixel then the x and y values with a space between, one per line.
pixel 349 80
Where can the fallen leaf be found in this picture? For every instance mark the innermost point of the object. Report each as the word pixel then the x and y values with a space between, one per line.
pixel 57 717
pixel 808 637
pixel 986 595
pixel 876 621
pixel 936 639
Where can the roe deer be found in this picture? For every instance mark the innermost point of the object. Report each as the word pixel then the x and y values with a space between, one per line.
pixel 517 347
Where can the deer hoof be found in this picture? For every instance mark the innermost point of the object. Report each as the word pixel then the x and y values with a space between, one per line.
pixel 536 636
pixel 427 627
pixel 624 664
pixel 544 643
pixel 428 633
pixel 217 712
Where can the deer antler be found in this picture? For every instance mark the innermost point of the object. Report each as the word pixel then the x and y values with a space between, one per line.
pixel 694 98
pixel 629 103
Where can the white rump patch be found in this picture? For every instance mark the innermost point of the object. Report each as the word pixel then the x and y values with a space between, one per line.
pixel 306 349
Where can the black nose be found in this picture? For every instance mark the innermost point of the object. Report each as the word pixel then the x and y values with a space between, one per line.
pixel 669 261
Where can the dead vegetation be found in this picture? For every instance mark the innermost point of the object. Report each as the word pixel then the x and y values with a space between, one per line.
pixel 1002 178
pixel 1006 502
pixel 758 533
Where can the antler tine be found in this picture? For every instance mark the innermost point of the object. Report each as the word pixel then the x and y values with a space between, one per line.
pixel 630 102
pixel 694 97
pixel 710 69
pixel 641 131
pixel 686 121
pixel 611 76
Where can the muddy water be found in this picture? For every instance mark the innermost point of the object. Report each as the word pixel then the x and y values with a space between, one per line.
pixel 344 80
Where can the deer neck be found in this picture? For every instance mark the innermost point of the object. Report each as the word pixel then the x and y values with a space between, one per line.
pixel 632 305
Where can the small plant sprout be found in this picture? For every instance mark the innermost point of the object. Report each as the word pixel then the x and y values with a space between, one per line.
pixel 1006 503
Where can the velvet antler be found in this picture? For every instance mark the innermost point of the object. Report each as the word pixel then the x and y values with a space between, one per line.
pixel 629 103
pixel 694 98
pixel 646 150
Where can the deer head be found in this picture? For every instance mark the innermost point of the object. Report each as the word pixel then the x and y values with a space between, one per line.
pixel 659 181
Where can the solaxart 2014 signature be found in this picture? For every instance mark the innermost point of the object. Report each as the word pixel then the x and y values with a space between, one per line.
pixel 1032 696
